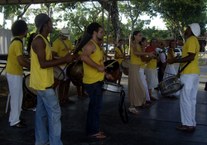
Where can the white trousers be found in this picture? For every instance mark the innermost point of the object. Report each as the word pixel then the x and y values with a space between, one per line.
pixel 151 77
pixel 16 93
pixel 188 99
pixel 144 81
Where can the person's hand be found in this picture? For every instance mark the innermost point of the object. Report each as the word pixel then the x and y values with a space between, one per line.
pixel 152 55
pixel 100 68
pixel 68 57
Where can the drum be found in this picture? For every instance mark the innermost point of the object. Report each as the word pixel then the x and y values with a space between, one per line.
pixel 75 72
pixel 112 68
pixel 58 73
pixel 112 87
pixel 30 95
pixel 170 85
pixel 125 66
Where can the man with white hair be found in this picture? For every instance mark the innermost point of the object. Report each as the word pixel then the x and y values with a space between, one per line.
pixel 189 77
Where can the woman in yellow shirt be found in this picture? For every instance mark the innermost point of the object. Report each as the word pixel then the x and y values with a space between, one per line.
pixel 137 85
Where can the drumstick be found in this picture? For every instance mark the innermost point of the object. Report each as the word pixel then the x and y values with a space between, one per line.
pixel 111 63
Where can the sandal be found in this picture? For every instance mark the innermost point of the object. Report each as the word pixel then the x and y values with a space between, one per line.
pixel 98 135
pixel 133 110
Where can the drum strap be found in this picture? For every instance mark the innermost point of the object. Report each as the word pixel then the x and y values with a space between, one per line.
pixel 181 69
pixel 66 47
pixel 122 108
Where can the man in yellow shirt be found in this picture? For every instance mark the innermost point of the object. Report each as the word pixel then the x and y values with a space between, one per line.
pixel 48 112
pixel 93 66
pixel 14 68
pixel 189 77
pixel 62 46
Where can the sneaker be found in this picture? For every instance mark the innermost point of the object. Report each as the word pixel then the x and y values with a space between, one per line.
pixel 133 110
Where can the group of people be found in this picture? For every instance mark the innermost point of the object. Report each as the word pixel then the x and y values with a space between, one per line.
pixel 143 74
pixel 142 62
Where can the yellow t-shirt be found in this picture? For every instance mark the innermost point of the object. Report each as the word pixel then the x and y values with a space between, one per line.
pixel 135 59
pixel 152 64
pixel 92 75
pixel 59 46
pixel 13 67
pixel 191 46
pixel 41 78
pixel 119 53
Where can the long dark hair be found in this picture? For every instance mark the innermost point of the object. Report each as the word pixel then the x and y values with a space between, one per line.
pixel 87 35
pixel 133 34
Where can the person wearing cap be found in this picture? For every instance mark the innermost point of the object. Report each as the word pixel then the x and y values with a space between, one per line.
pixel 14 68
pixel 60 47
pixel 189 77
pixel 48 112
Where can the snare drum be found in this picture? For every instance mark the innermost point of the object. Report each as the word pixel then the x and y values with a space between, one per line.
pixel 75 72
pixel 112 68
pixel 30 95
pixel 170 85
pixel 112 87
pixel 125 66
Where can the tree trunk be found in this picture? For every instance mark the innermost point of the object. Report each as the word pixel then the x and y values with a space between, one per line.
pixel 112 8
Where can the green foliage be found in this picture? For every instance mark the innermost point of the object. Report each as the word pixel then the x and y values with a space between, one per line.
pixel 179 13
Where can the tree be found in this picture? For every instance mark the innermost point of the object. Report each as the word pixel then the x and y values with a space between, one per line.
pixel 178 13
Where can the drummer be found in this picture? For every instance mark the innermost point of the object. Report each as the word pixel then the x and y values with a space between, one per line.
pixel 93 66
pixel 189 77
pixel 151 70
pixel 119 55
pixel 61 46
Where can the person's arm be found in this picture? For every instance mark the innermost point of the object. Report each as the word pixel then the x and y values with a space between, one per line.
pixel 188 58
pixel 38 46
pixel 85 57
pixel 23 61
pixel 137 53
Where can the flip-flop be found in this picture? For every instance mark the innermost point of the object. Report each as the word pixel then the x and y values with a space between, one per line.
pixel 98 136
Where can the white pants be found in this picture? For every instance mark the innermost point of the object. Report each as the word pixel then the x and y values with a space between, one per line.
pixel 188 99
pixel 151 77
pixel 16 92
pixel 144 81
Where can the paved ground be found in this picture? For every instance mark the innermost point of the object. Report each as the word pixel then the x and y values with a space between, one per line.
pixel 153 126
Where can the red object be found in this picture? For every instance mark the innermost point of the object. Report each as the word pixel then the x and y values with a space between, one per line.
pixel 150 49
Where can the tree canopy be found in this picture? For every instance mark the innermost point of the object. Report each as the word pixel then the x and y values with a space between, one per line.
pixel 119 18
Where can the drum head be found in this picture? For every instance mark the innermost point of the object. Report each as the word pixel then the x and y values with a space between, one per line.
pixel 125 66
pixel 170 85
pixel 58 73
pixel 30 95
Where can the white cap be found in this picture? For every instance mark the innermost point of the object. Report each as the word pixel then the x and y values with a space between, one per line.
pixel 64 31
pixel 195 28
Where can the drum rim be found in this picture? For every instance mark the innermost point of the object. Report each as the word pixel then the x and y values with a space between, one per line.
pixel 61 72
pixel 25 86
